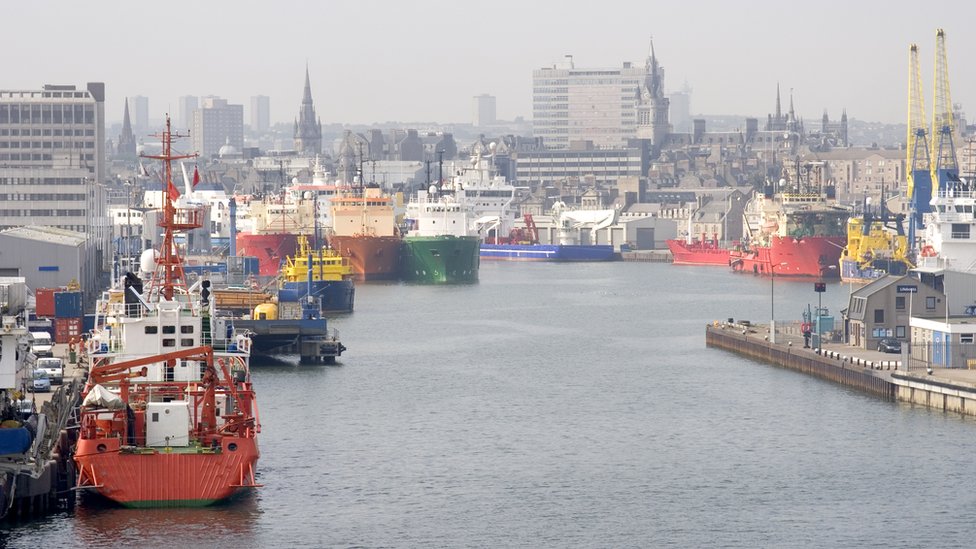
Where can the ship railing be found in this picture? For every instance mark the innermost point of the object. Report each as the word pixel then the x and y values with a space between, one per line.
pixel 798 198
pixel 955 193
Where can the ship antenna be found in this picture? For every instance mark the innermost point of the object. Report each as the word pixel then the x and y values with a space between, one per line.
pixel 169 267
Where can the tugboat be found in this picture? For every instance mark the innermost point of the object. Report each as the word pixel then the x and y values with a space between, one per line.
pixel 169 416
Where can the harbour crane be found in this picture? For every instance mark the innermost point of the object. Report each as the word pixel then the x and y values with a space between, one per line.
pixel 945 170
pixel 920 173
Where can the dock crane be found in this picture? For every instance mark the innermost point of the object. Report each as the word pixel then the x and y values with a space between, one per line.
pixel 945 170
pixel 920 173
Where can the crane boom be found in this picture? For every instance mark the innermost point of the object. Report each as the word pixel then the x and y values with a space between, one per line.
pixel 945 170
pixel 919 189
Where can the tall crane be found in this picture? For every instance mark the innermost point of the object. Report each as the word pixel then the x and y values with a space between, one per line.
pixel 919 163
pixel 945 171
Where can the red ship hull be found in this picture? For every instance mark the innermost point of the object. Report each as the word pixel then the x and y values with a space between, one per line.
pixel 698 253
pixel 372 257
pixel 806 257
pixel 166 478
pixel 270 249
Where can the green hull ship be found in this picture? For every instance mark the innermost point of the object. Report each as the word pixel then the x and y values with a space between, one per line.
pixel 440 259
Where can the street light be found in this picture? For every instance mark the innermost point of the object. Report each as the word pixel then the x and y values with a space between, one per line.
pixel 820 288
pixel 772 297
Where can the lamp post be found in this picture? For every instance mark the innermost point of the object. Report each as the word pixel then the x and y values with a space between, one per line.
pixel 772 301
pixel 820 288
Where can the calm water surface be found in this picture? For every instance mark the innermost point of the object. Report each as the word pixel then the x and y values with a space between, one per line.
pixel 569 406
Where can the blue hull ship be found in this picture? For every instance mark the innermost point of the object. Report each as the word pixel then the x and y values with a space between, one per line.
pixel 547 252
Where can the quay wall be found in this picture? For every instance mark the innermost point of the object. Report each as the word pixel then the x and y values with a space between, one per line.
pixel 785 356
pixel 933 393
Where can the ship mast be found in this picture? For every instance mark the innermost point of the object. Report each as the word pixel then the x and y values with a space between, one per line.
pixel 169 265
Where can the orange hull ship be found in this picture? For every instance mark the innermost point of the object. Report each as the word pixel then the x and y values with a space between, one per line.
pixel 364 230
pixel 163 422
pixel 372 257
pixel 164 444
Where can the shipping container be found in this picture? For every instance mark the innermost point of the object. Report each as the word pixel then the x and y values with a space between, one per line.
pixel 68 305
pixel 67 328
pixel 44 301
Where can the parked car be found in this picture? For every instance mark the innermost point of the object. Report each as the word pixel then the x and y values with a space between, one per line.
pixel 889 345
pixel 41 383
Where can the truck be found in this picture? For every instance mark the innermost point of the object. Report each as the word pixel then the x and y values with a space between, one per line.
pixel 53 366
pixel 40 343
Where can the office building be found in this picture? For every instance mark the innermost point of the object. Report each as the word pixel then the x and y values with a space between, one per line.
pixel 260 113
pixel 215 124
pixel 484 110
pixel 52 151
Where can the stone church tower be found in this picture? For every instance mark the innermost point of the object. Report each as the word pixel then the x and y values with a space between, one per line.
pixel 652 106
pixel 308 128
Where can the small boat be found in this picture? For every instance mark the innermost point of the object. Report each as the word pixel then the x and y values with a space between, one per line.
pixel 323 274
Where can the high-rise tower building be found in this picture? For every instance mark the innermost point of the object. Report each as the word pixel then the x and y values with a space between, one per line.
pixel 260 113
pixel 140 106
pixel 185 106
pixel 215 124
pixel 484 110
pixel 308 128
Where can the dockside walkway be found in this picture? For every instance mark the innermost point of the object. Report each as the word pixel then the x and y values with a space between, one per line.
pixel 884 375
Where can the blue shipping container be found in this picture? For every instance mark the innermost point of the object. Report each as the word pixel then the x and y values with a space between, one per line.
pixel 67 305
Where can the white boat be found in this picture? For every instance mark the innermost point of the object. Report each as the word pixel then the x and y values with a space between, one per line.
pixel 949 238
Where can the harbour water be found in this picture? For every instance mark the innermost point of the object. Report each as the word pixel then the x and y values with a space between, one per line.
pixel 568 405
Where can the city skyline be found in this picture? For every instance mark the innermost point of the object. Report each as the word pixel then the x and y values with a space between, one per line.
pixel 425 62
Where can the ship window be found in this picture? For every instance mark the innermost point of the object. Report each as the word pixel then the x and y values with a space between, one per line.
pixel 186 329
pixel 152 329
pixel 900 303
pixel 965 338
pixel 435 253
pixel 169 329
pixel 169 342
pixel 186 342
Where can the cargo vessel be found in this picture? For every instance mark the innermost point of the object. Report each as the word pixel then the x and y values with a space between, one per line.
pixel 364 230
pixel 522 244
pixel 276 222
pixel 441 246
pixel 169 416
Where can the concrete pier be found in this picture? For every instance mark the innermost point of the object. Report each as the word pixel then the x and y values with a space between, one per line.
pixel 891 377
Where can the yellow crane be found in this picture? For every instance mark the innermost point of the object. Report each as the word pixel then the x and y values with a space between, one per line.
pixel 945 170
pixel 919 163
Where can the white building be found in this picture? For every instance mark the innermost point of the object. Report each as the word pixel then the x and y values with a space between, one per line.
pixel 591 104
pixel 140 108
pixel 186 104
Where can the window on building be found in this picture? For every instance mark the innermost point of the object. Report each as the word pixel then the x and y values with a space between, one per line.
pixel 965 338
pixel 879 316
pixel 930 302
pixel 900 332
pixel 900 303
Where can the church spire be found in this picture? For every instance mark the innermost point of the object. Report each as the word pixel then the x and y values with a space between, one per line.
pixel 308 127
pixel 127 140
pixel 779 111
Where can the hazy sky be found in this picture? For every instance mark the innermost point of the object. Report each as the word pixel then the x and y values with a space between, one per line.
pixel 377 61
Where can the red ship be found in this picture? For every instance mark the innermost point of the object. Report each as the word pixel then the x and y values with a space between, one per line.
pixel 812 256
pixel 164 444
pixel 163 422
pixel 798 231
pixel 698 252
pixel 277 221
pixel 364 230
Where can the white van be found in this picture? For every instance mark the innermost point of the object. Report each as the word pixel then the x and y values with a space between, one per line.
pixel 40 343
pixel 53 366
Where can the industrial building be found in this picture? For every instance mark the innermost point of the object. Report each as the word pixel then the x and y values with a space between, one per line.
pixel 49 257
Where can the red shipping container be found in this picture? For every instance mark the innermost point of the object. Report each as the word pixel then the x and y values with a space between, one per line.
pixel 67 328
pixel 45 301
